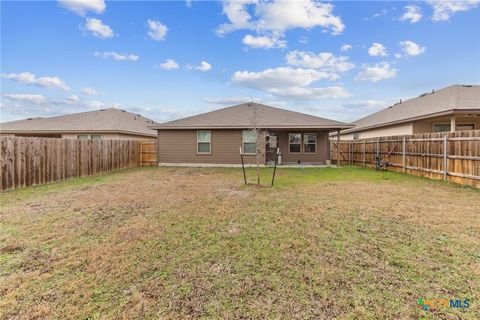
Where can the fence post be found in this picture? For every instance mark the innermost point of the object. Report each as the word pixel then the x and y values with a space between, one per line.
pixel 378 149
pixel 349 147
pixel 445 158
pixel 404 150
pixel 364 153
pixel 338 147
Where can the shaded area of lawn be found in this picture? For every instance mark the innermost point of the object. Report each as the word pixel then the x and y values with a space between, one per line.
pixel 173 242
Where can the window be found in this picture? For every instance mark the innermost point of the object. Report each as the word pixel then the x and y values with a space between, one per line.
pixel 249 141
pixel 96 136
pixel 82 136
pixel 272 142
pixel 355 136
pixel 441 127
pixel 309 142
pixel 204 141
pixel 294 142
pixel 465 126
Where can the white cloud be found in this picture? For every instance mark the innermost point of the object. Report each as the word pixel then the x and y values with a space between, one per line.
pixel 81 7
pixel 264 42
pixel 305 93
pixel 157 31
pixel 412 13
pixel 287 82
pixel 30 79
pixel 324 61
pixel 188 3
pixel 377 50
pixel 73 99
pixel 444 10
pixel 411 48
pixel 346 47
pixel 279 16
pixel 90 92
pixel 98 29
pixel 116 56
pixel 29 98
pixel 376 72
pixel 169 64
pixel 282 77
pixel 204 66
pixel 227 101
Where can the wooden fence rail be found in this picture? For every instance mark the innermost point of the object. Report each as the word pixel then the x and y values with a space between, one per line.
pixel 452 156
pixel 26 161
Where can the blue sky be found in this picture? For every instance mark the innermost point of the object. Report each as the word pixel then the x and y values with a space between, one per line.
pixel 340 60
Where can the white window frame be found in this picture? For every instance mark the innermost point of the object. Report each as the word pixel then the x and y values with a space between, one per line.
pixel 209 142
pixel 465 124
pixel 301 140
pixel 99 136
pixel 304 143
pixel 441 123
pixel 83 137
pixel 254 142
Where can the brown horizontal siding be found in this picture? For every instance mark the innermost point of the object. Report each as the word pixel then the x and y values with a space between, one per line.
pixel 180 146
pixel 320 156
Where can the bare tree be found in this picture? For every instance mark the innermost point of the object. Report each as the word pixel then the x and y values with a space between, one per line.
pixel 260 138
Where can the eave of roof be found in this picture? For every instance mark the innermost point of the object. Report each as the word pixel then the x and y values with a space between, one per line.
pixel 250 127
pixel 422 117
pixel 75 131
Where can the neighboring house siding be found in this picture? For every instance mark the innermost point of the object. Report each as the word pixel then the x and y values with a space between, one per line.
pixel 322 151
pixel 426 126
pixel 115 136
pixel 180 146
pixel 395 130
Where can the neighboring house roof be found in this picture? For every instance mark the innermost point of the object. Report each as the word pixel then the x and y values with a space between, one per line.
pixel 455 98
pixel 242 116
pixel 105 120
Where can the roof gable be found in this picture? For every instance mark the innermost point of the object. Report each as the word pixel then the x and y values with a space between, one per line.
pixel 242 116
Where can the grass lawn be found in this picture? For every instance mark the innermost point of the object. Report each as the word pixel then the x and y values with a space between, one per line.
pixel 153 243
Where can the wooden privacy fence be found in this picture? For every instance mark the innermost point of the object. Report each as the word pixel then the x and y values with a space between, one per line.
pixel 452 156
pixel 26 161
pixel 148 153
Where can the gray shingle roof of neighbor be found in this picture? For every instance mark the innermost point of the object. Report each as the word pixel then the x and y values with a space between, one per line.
pixel 242 116
pixel 444 101
pixel 104 120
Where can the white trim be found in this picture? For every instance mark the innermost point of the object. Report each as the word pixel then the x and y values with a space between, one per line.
pixel 316 142
pixel 209 144
pixel 301 140
pixel 243 143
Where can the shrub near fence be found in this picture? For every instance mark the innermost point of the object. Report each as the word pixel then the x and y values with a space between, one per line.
pixel 452 156
pixel 26 161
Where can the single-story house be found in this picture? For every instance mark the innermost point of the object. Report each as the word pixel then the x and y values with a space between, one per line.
pixel 99 124
pixel 216 137
pixel 453 108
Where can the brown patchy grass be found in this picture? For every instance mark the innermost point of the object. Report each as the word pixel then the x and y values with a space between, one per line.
pixel 187 243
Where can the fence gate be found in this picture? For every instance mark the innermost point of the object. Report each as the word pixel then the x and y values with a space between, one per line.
pixel 148 153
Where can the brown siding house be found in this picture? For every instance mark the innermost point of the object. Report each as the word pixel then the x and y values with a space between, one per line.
pixel 216 137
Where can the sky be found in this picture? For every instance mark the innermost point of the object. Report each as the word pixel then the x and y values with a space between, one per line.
pixel 168 59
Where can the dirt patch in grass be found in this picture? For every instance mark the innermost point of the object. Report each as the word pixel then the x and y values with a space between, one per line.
pixel 187 243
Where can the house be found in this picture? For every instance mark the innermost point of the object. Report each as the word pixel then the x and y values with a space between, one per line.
pixel 99 124
pixel 453 108
pixel 216 137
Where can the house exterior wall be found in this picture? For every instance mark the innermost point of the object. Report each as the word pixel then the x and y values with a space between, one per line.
pixel 320 156
pixel 426 126
pixel 180 146
pixel 400 129
pixel 114 136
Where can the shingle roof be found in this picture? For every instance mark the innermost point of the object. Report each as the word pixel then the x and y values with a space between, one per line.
pixel 444 101
pixel 241 116
pixel 106 120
